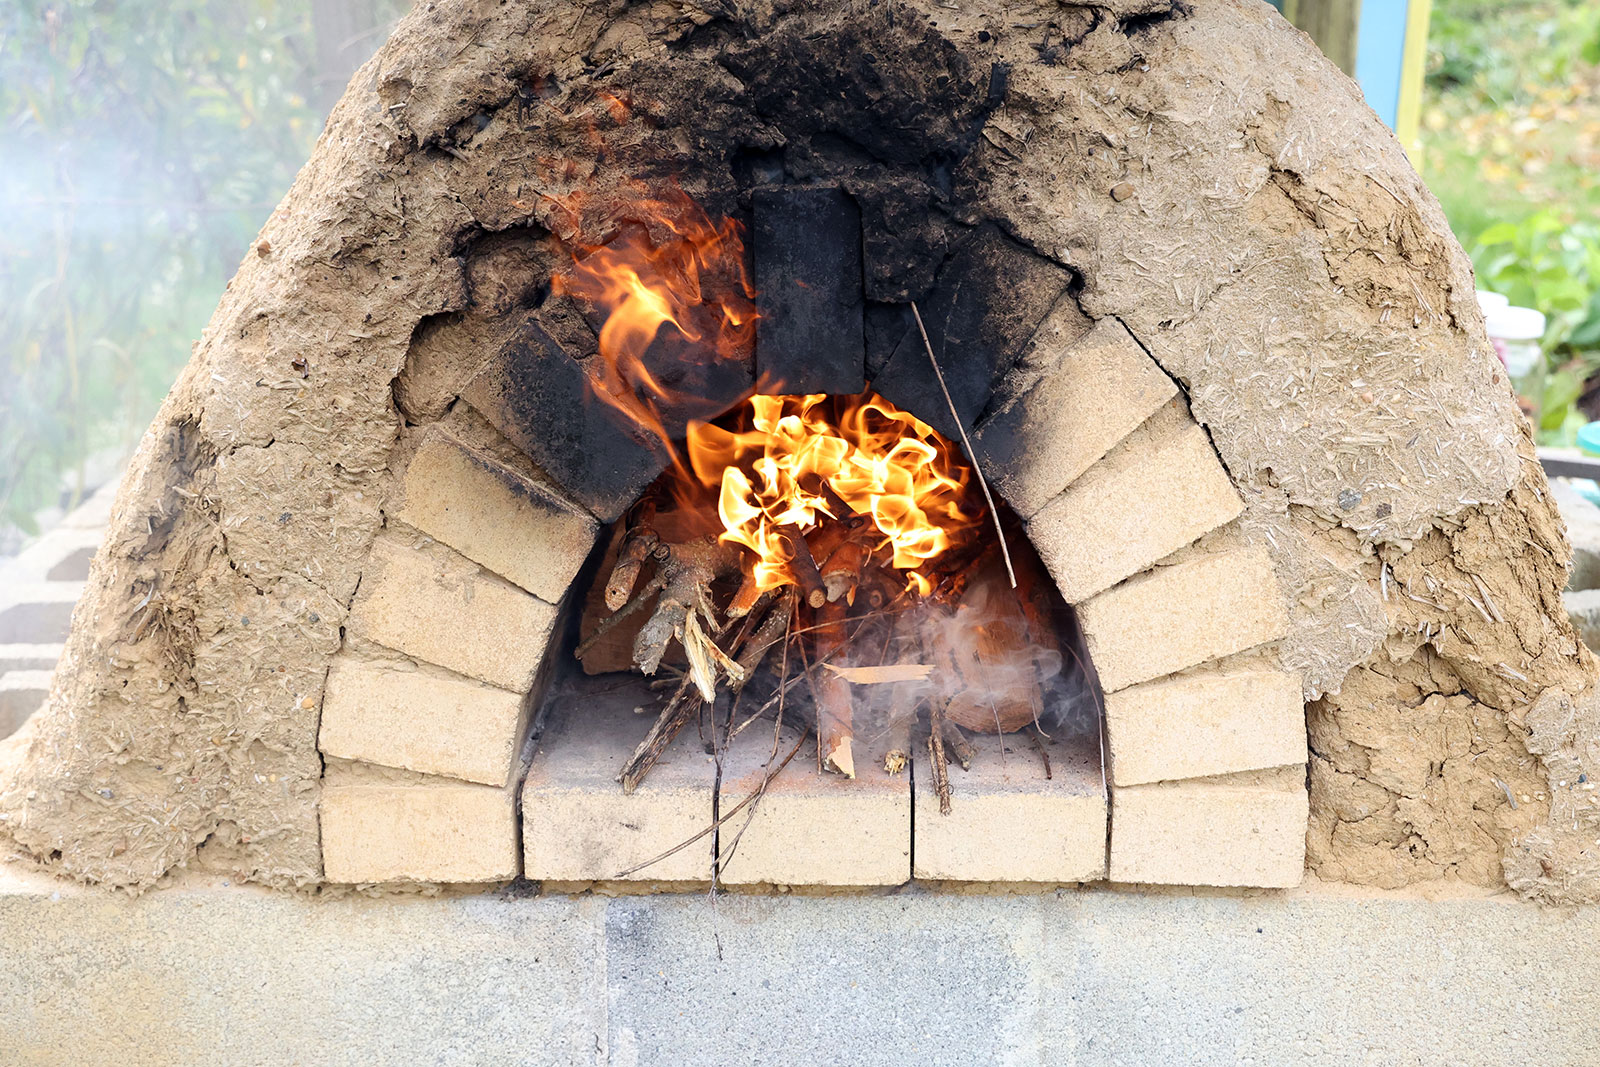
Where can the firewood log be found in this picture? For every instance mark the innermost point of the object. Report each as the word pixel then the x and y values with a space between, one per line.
pixel 802 565
pixel 835 703
pixel 689 570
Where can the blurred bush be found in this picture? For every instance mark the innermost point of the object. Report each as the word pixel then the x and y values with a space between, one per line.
pixel 1511 130
pixel 144 143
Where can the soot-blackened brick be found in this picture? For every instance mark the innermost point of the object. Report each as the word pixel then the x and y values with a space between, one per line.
pixel 986 304
pixel 808 277
pixel 537 394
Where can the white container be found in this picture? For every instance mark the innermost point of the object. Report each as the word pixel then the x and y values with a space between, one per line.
pixel 1516 332
pixel 1488 301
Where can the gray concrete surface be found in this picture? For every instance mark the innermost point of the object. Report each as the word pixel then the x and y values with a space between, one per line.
pixel 220 975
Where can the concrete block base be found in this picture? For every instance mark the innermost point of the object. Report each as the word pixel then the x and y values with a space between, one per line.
pixel 203 974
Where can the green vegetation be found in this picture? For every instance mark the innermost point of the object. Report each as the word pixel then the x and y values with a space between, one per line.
pixel 1511 146
pixel 144 143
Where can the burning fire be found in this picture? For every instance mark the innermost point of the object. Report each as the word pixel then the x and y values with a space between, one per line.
pixel 807 458
pixel 804 458
pixel 670 266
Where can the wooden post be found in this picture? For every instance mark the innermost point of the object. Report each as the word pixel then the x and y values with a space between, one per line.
pixel 1332 24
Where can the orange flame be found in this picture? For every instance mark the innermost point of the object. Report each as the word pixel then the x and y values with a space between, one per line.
pixel 807 455
pixel 671 267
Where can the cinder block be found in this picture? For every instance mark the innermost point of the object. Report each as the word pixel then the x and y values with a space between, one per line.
pixel 1091 392
pixel 1158 490
pixel 812 828
pixel 429 723
pixel 1243 830
pixel 1010 823
pixel 1205 724
pixel 429 602
pixel 1181 614
pixel 21 694
pixel 410 828
pixel 579 826
pixel 495 516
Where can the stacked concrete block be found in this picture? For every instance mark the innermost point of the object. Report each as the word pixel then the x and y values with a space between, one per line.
pixel 426 721
pixel 1206 723
pixel 495 516
pixel 1196 734
pixel 1091 391
pixel 436 606
pixel 1178 615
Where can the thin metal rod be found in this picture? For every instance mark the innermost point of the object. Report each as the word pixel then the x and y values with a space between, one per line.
pixel 983 483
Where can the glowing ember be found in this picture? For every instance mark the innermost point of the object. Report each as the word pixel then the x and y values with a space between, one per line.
pixel 807 458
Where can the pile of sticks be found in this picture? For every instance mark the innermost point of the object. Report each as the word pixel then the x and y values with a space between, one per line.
pixel 842 622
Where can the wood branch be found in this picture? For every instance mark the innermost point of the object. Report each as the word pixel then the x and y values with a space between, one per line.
pixel 1038 746
pixel 745 599
pixel 702 661
pixel 842 511
pixel 651 588
pixel 769 633
pixel 689 570
pixel 841 574
pixel 936 754
pixel 956 743
pixel 802 565
pixel 638 544
pixel 825 538
pixel 684 705
pixel 835 703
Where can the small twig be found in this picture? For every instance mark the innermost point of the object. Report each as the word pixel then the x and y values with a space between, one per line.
pixel 941 773
pixel 777 742
pixel 736 809
pixel 1005 549
pixel 609 623
pixel 957 745
pixel 1038 746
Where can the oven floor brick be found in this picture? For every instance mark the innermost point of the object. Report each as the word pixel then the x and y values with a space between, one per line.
pixel 1181 614
pixel 1094 390
pixel 449 726
pixel 392 827
pixel 579 826
pixel 812 829
pixel 1161 488
pixel 495 516
pixel 432 603
pixel 1241 830
pixel 1008 822
pixel 1194 726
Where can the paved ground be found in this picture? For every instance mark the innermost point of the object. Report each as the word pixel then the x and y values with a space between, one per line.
pixel 224 975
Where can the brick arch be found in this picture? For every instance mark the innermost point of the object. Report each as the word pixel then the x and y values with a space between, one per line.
pixel 1123 496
